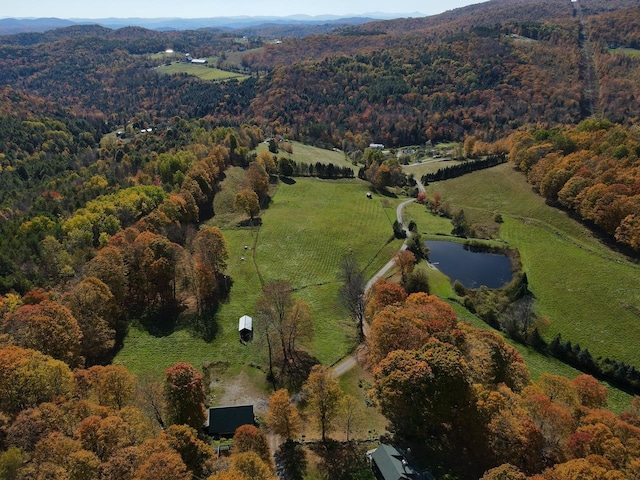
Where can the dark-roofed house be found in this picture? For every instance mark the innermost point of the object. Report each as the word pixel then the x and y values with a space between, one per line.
pixel 388 463
pixel 223 421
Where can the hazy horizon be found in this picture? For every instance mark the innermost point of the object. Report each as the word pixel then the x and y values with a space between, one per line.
pixel 194 9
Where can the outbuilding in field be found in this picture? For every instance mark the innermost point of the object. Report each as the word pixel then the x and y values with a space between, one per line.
pixel 245 328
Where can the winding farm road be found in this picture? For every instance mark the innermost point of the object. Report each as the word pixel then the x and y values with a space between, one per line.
pixel 349 362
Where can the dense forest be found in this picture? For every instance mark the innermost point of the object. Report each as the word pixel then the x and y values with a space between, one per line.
pixel 109 171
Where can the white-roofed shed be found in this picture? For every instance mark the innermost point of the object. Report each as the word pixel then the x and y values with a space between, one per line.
pixel 245 327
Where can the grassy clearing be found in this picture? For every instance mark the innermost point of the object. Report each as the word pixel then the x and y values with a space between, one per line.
pixel 308 227
pixel 588 291
pixel 631 52
pixel 311 155
pixel 427 165
pixel 201 71
pixel 235 57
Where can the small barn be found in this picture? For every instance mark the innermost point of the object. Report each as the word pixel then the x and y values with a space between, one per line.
pixel 223 421
pixel 245 328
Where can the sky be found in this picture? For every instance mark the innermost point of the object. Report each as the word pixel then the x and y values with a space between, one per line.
pixel 71 9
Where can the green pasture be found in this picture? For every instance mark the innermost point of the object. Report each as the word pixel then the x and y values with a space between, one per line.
pixel 308 227
pixel 426 165
pixel 203 72
pixel 588 291
pixel 631 52
pixel 301 153
pixel 235 57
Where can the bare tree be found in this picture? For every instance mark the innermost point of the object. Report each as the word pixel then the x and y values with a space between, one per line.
pixel 286 322
pixel 352 290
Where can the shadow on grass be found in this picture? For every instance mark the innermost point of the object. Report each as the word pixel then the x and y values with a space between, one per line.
pixel 256 222
pixel 288 180
pixel 205 324
pixel 298 371
pixel 386 193
pixel 291 461
pixel 161 322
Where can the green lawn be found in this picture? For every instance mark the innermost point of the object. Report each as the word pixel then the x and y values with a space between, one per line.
pixel 203 72
pixel 308 227
pixel 588 291
pixel 632 52
pixel 301 153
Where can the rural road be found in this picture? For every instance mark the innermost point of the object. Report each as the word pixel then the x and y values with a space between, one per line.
pixel 389 264
pixel 349 362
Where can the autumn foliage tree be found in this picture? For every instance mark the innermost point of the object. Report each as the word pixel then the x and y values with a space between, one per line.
pixel 383 293
pixel 323 395
pixel 257 179
pixel 282 415
pixel 247 201
pixel 405 261
pixel 249 438
pixel 196 454
pixel 48 327
pixel 409 325
pixel 114 385
pixel 210 254
pixel 184 395
pixel 94 306
pixel 589 169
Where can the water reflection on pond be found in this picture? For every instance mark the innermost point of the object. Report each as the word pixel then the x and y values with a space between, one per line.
pixel 471 268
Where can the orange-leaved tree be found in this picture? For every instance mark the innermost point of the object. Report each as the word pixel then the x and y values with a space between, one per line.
pixel 184 395
pixel 282 416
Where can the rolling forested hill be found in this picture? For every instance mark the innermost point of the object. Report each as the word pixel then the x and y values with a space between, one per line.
pixel 112 172
pixel 481 71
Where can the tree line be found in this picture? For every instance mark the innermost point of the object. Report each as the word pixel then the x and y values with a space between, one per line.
pixel 291 168
pixel 590 169
pixel 460 169
pixel 620 374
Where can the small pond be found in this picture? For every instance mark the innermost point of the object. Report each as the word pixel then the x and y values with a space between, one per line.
pixel 471 268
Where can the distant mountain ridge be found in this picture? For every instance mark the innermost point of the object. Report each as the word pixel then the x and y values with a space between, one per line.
pixel 9 26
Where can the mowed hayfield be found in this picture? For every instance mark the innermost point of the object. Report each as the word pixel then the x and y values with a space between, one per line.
pixel 589 292
pixel 307 228
pixel 203 72
pixel 301 153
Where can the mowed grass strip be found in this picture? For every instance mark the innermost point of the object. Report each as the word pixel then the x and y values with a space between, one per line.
pixel 306 230
pixel 201 71
pixel 301 153
pixel 588 291
pixel 313 223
